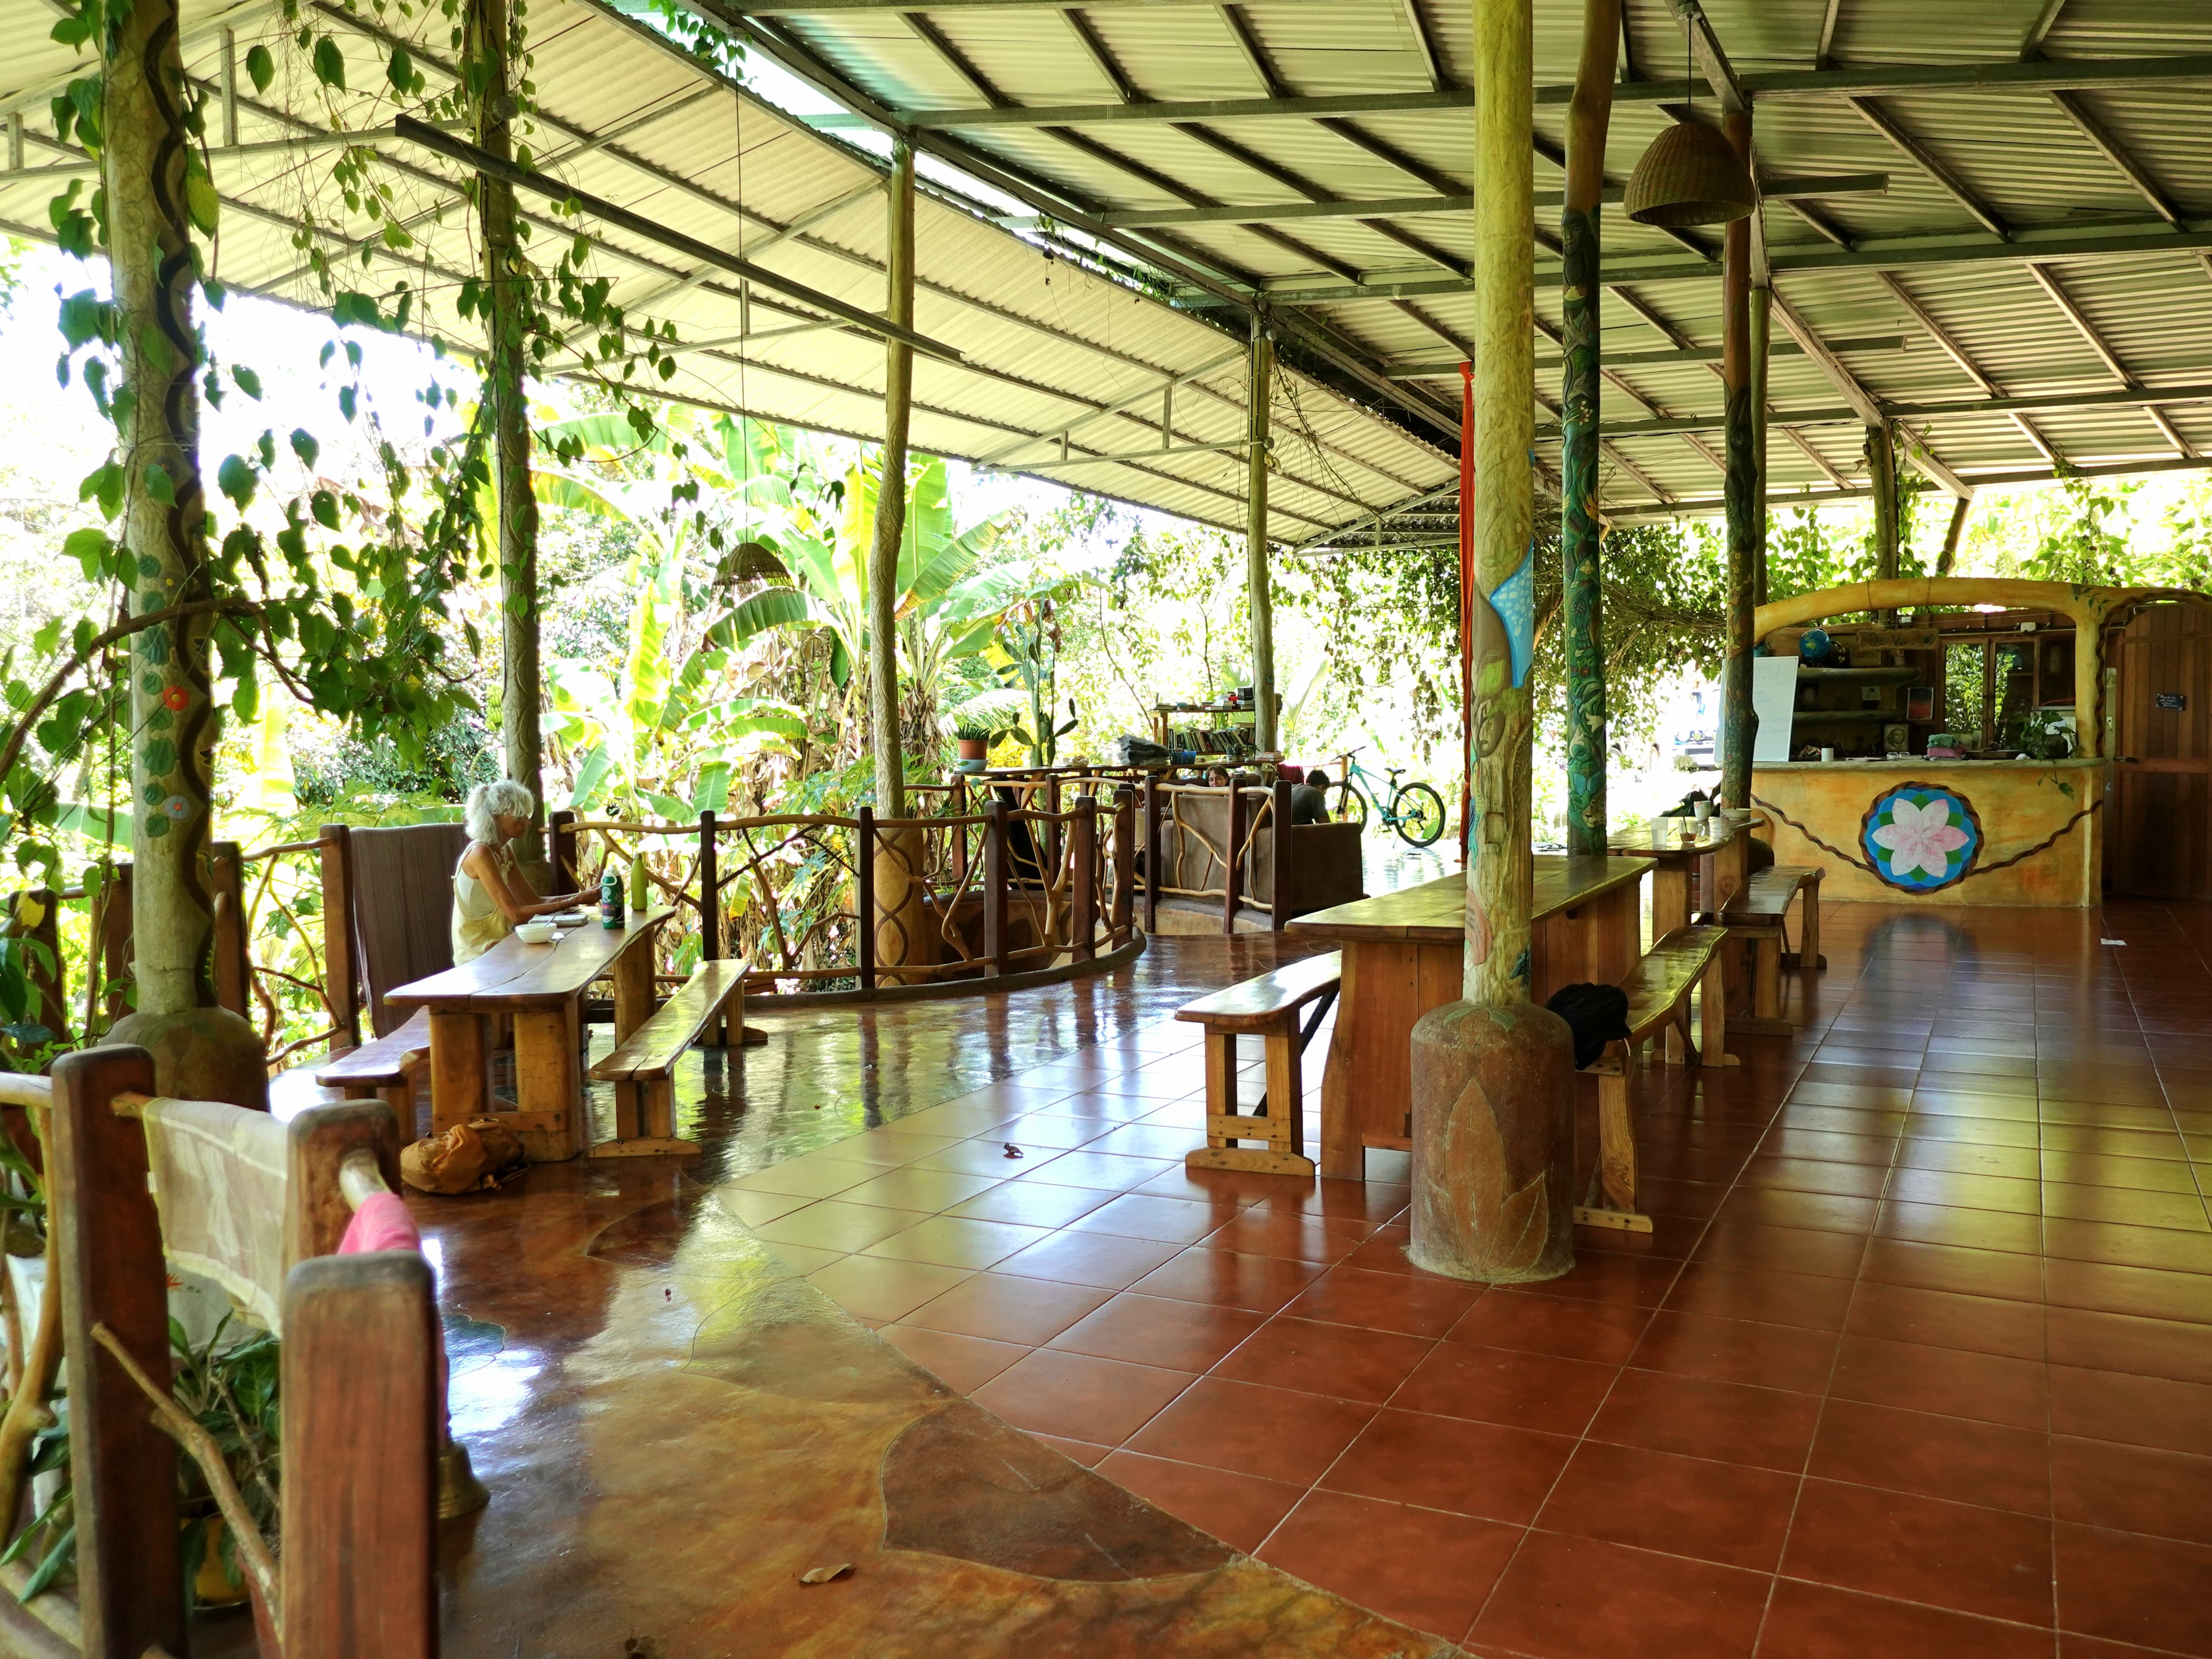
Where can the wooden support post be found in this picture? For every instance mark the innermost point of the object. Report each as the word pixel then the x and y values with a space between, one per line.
pixel 864 884
pixel 1125 863
pixel 1232 861
pixel 123 1469
pixel 115 929
pixel 1588 117
pixel 1492 1127
pixel 710 920
pixel 492 58
pixel 994 889
pixel 1260 390
pixel 1882 468
pixel 1762 332
pixel 341 957
pixel 234 964
pixel 1152 855
pixel 1739 723
pixel 1083 877
pixel 205 1052
pixel 890 526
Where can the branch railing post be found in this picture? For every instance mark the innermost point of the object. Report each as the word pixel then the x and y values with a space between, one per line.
pixel 1083 855
pixel 1151 854
pixel 1232 861
pixel 863 882
pixel 710 915
pixel 994 889
pixel 341 966
pixel 1125 852
pixel 234 961
pixel 562 829
pixel 1279 893
pixel 115 944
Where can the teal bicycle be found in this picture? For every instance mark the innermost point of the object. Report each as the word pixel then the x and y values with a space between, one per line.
pixel 1415 811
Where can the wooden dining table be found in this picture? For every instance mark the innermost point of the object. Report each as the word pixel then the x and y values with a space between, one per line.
pixel 1403 955
pixel 540 989
pixel 1713 855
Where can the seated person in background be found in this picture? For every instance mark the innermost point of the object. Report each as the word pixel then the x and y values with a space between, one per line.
pixel 1309 801
pixel 490 892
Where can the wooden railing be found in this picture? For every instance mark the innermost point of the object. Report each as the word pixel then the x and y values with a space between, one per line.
pixel 1000 878
pixel 1002 887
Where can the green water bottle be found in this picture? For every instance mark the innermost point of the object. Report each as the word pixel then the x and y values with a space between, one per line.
pixel 611 898
pixel 637 883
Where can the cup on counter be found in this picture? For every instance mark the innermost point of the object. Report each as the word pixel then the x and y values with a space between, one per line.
pixel 1701 810
pixel 1827 754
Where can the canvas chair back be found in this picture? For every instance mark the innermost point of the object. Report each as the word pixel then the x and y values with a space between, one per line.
pixel 259 1206
pixel 404 908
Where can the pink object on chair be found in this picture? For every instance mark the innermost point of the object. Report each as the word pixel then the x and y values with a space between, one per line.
pixel 382 1223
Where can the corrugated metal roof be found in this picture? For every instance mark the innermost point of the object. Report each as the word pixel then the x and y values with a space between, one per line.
pixel 1066 344
pixel 1048 345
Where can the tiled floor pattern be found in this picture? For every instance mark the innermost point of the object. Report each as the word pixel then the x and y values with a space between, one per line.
pixel 1916 1361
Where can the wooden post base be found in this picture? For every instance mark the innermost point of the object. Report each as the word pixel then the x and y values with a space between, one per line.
pixel 1256 1159
pixel 1626 1221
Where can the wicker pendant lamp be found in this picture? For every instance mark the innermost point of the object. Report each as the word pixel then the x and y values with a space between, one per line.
pixel 1690 176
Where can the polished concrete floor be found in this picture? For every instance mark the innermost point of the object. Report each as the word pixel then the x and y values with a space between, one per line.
pixel 1915 1360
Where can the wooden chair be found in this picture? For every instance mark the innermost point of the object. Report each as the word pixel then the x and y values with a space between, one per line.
pixel 1658 1004
pixel 260 1206
pixel 1267 1006
pixel 402 882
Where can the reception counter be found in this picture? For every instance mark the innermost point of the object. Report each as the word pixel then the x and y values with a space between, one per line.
pixel 1944 832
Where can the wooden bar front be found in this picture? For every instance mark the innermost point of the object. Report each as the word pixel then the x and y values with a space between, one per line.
pixel 1403 955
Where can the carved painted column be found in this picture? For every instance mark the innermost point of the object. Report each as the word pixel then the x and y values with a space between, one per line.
pixel 1494 1106
pixel 1587 118
pixel 199 1050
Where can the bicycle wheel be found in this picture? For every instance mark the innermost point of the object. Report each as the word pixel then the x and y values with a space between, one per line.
pixel 1419 812
pixel 1347 805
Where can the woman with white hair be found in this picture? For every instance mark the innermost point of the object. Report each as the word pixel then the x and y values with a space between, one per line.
pixel 490 892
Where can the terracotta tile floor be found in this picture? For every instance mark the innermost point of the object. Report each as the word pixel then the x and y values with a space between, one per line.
pixel 1915 1361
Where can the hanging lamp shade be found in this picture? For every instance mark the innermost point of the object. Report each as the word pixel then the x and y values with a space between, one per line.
pixel 1690 176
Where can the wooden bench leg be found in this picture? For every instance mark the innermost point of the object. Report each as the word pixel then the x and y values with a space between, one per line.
pixel 1808 926
pixel 1283 1125
pixel 1613 1182
pixel 460 1068
pixel 1766 976
pixel 1712 1019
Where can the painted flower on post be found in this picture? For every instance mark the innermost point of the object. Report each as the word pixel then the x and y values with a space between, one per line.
pixel 1921 837
pixel 176 699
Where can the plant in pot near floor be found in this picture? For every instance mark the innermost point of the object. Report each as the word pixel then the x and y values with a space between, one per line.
pixel 231 1392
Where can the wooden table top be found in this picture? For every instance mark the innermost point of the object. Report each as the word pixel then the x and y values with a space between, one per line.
pixel 513 975
pixel 1435 913
pixel 1700 845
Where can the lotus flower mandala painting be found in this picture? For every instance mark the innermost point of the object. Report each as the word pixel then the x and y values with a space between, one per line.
pixel 1921 837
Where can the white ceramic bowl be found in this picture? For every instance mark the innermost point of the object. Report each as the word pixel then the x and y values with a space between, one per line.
pixel 536 932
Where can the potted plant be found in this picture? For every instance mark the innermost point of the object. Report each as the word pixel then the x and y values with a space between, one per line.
pixel 972 733
pixel 981 719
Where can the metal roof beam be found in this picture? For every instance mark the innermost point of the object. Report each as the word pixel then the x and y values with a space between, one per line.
pixel 1399 207
pixel 1087 37
pixel 2078 112
pixel 1869 80
pixel 1248 44
pixel 2046 19
pixel 2109 358
pixel 954 58
pixel 1951 183
pixel 1425 43
pixel 1854 413
pixel 1670 356
pixel 1823 52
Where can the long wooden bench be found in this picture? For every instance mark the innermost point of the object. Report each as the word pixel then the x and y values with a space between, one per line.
pixel 1759 916
pixel 1268 1007
pixel 642 1069
pixel 383 1068
pixel 1658 1004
